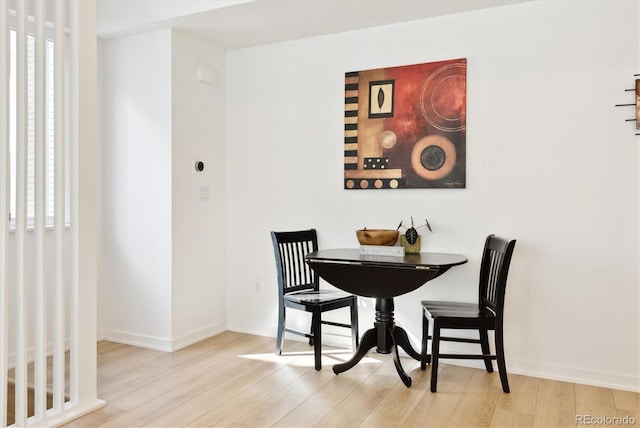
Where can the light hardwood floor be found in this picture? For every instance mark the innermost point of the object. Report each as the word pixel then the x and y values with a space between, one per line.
pixel 235 380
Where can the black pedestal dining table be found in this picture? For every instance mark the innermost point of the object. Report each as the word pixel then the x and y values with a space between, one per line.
pixel 382 278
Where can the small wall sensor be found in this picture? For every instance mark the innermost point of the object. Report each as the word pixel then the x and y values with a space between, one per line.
pixel 207 75
pixel 199 166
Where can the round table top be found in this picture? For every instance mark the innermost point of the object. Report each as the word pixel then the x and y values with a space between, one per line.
pixel 380 276
pixel 420 259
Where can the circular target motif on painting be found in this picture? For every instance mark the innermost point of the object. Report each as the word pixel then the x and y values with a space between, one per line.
pixel 387 139
pixel 433 157
pixel 443 98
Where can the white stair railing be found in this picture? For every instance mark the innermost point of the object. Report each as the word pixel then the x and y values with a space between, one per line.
pixel 31 329
pixel 4 209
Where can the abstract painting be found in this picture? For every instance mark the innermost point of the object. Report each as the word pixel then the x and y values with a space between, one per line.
pixel 405 127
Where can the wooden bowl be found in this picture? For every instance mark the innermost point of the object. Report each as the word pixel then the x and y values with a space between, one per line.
pixel 377 236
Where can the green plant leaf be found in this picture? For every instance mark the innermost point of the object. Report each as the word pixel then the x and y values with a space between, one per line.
pixel 411 235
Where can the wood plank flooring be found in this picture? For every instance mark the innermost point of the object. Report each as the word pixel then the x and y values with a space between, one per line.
pixel 235 380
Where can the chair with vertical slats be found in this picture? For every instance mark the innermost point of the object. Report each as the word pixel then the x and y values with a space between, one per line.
pixel 298 288
pixel 483 316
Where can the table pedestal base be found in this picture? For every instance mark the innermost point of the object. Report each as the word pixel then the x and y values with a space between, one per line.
pixel 386 336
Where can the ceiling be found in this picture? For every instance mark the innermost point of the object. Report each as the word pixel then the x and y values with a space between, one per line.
pixel 235 24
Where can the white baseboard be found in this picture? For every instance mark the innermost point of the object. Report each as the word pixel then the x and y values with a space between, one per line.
pixel 140 340
pixel 525 368
pixel 198 335
pixel 162 343
pixel 562 374
pixel 575 375
pixel 267 330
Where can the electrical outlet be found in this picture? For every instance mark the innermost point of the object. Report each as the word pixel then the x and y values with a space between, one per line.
pixel 256 285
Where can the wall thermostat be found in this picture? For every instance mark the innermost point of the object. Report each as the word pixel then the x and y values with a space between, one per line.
pixel 199 166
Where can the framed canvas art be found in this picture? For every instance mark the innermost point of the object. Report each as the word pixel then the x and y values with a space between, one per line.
pixel 405 127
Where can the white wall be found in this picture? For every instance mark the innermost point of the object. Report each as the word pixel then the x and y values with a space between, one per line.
pixel 162 273
pixel 136 156
pixel 550 162
pixel 198 295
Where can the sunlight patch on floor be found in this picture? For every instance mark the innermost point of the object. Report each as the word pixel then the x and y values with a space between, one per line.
pixel 306 359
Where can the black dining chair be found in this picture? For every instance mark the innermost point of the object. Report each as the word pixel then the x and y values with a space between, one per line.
pixel 298 288
pixel 483 316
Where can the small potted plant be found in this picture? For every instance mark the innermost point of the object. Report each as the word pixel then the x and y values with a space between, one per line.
pixel 410 239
